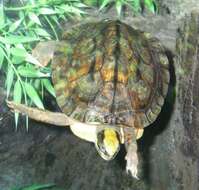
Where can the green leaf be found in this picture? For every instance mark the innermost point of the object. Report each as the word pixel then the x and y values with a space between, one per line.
pixel 18 52
pixel 7 50
pixel 9 79
pixel 17 98
pixel 1 57
pixel 150 5
pixel 89 2
pixel 30 72
pixel 47 84
pixel 46 11
pixel 31 59
pixel 70 9
pixel 82 5
pixel 37 83
pixel 119 7
pixel 21 52
pixel 104 4
pixel 41 32
pixel 33 17
pixel 2 18
pixel 32 93
pixel 16 39
pixel 51 26
pixel 136 6
pixel 15 25
pixel 36 187
pixel 17 60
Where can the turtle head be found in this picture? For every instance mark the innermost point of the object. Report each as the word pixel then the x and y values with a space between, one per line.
pixel 108 143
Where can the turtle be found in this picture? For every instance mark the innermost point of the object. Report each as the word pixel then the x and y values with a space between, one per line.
pixel 111 81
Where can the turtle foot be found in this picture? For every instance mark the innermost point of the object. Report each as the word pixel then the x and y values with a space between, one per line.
pixel 14 106
pixel 132 164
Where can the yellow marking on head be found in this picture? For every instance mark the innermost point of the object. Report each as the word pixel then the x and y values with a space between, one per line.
pixel 111 141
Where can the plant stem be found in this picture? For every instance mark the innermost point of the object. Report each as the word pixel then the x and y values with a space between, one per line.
pixel 21 82
pixel 18 77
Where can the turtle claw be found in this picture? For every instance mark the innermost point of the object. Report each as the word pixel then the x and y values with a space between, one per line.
pixel 10 105
pixel 133 172
pixel 13 106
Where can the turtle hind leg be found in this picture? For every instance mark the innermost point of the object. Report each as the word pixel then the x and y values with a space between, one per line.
pixel 56 118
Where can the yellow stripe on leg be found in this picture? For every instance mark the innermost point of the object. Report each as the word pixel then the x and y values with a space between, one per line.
pixel 139 132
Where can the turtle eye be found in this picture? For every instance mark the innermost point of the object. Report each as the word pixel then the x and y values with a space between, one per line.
pixel 102 149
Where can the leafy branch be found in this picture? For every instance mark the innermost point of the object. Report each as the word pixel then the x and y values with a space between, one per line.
pixel 26 79
pixel 135 5
pixel 37 187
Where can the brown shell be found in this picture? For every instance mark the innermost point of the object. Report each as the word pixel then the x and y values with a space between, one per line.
pixel 109 72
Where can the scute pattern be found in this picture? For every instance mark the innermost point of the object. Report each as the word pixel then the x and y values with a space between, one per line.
pixel 109 72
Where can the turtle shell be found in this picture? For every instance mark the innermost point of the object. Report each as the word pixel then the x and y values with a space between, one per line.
pixel 111 73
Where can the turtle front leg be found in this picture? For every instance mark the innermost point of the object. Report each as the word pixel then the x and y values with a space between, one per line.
pixel 82 130
pixel 56 118
pixel 131 156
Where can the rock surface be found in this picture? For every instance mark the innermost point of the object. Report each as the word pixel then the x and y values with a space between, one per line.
pixel 168 150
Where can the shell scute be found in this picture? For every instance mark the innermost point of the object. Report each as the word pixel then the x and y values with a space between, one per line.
pixel 151 116
pixel 88 86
